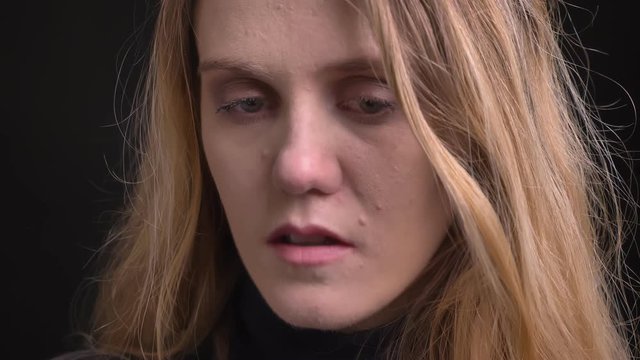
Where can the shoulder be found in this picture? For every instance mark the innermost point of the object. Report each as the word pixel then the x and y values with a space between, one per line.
pixel 87 355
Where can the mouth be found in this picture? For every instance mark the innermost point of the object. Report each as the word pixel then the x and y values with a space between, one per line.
pixel 308 246
pixel 313 240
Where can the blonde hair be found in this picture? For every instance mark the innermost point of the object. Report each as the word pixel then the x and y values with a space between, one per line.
pixel 530 270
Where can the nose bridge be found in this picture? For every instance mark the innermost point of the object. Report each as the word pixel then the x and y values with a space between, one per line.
pixel 305 135
pixel 307 158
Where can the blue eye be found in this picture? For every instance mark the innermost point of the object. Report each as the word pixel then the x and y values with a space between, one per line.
pixel 246 105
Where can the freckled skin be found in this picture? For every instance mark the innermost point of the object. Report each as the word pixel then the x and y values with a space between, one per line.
pixel 303 158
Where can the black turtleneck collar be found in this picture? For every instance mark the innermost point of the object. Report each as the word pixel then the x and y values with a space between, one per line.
pixel 261 334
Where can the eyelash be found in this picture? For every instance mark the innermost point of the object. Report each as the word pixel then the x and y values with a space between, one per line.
pixel 233 103
pixel 385 104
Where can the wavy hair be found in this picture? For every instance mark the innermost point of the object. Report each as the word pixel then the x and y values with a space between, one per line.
pixel 532 269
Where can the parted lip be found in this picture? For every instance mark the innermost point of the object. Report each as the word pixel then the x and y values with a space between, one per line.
pixel 306 230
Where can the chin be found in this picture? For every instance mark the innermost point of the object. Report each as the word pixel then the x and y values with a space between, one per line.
pixel 310 317
pixel 316 311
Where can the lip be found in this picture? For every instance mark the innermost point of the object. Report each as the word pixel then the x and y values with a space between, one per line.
pixel 309 255
pixel 306 230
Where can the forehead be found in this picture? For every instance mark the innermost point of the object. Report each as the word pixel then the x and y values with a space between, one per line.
pixel 283 35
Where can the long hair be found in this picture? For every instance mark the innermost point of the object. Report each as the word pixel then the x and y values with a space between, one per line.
pixel 531 268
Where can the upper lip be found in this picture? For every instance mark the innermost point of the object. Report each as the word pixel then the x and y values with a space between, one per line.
pixel 308 230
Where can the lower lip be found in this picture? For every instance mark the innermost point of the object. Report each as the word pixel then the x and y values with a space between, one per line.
pixel 311 255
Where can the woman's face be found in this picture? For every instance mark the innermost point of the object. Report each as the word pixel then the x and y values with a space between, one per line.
pixel 333 206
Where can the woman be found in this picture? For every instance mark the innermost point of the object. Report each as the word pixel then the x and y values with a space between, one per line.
pixel 364 179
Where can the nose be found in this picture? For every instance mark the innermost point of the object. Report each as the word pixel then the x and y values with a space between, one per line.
pixel 307 159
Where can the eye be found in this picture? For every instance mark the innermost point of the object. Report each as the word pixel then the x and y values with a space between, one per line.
pixel 247 105
pixel 367 105
pixel 373 106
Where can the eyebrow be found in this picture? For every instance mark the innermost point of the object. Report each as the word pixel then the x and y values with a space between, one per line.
pixel 361 64
pixel 232 65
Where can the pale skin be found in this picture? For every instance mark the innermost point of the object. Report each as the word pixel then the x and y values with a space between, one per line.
pixel 297 127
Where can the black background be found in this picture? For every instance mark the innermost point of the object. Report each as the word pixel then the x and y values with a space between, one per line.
pixel 60 99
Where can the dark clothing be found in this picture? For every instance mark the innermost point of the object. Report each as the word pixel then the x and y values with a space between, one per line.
pixel 260 334
pixel 263 335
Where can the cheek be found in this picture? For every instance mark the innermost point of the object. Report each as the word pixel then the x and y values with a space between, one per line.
pixel 397 178
pixel 237 175
pixel 409 207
